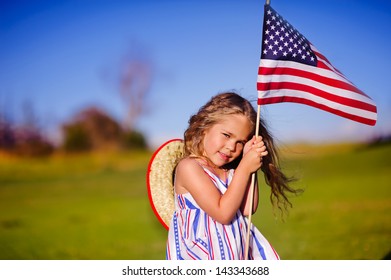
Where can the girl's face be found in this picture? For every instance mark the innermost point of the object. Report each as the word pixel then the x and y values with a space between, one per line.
pixel 224 141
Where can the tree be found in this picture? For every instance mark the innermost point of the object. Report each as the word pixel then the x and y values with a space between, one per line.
pixel 7 136
pixel 94 129
pixel 25 138
pixel 76 138
pixel 135 82
pixel 91 128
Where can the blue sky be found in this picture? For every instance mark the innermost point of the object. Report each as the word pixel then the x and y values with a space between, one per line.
pixel 64 55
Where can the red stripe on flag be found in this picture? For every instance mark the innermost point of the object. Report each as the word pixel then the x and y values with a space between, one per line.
pixel 271 100
pixel 317 92
pixel 308 75
pixel 323 65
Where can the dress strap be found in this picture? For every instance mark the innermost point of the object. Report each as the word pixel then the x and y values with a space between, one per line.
pixel 216 179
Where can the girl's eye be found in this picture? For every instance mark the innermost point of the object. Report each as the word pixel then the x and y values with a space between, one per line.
pixel 226 135
pixel 241 144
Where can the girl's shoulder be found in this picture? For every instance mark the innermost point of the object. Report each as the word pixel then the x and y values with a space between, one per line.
pixel 188 163
pixel 189 172
pixel 191 166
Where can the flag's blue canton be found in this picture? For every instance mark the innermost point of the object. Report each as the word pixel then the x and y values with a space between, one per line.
pixel 281 41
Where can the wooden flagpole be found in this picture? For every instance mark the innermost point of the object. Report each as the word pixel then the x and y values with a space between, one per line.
pixel 252 189
pixel 252 184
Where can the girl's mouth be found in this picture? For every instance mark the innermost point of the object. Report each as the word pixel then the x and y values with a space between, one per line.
pixel 224 156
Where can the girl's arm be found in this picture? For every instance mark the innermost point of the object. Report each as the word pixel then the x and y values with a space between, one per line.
pixel 190 177
pixel 245 207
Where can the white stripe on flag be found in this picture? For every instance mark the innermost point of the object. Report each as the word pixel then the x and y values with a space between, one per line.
pixel 321 86
pixel 319 100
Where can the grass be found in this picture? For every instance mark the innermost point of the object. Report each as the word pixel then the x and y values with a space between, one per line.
pixel 344 212
pixel 95 206
pixel 80 207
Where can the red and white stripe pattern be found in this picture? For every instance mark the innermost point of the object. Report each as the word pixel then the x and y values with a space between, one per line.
pixel 293 70
pixel 194 235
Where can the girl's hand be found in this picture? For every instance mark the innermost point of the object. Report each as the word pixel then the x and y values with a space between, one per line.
pixel 253 152
pixel 255 142
pixel 248 145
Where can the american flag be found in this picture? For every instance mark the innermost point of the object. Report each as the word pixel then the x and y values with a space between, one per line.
pixel 293 70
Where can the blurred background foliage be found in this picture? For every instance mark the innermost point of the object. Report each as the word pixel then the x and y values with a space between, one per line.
pixel 92 128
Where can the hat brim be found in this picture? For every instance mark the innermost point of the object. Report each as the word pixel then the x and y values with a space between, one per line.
pixel 160 176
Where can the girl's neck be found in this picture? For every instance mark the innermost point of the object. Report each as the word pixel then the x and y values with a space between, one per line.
pixel 220 171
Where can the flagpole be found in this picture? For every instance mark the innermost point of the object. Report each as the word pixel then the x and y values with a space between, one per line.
pixel 251 191
pixel 252 184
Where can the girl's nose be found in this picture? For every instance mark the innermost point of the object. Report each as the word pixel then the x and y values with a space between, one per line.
pixel 231 145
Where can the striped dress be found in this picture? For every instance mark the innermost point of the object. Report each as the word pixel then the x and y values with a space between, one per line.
pixel 194 235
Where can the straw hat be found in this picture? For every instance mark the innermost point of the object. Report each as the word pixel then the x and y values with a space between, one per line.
pixel 160 176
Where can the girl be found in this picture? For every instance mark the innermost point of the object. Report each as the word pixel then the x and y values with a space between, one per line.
pixel 212 183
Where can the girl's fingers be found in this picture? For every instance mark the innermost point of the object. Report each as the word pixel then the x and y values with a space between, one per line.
pixel 258 148
pixel 260 152
pixel 258 143
pixel 265 153
pixel 261 149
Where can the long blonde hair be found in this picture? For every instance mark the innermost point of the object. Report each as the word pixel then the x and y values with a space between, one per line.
pixel 230 103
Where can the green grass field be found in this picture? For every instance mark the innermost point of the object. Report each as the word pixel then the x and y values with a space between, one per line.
pixel 96 206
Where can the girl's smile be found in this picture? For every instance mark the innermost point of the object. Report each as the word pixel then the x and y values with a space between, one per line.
pixel 224 156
